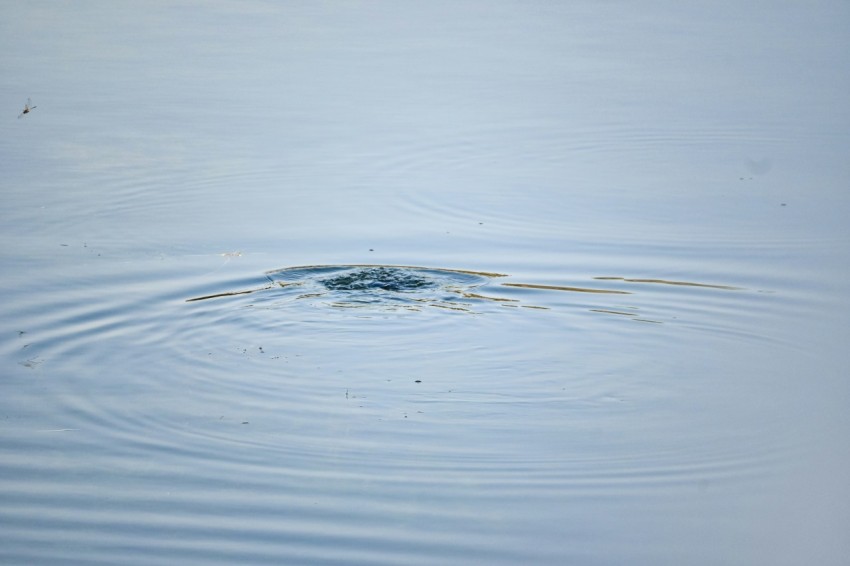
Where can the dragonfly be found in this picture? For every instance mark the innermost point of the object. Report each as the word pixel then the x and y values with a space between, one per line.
pixel 27 108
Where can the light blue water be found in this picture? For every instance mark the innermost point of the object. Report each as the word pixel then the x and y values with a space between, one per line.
pixel 630 228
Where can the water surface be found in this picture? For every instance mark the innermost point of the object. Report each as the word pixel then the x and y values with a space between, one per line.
pixel 382 283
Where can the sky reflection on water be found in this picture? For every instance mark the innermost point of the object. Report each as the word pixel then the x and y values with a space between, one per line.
pixel 633 351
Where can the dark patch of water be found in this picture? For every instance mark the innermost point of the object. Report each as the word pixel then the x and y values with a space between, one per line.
pixel 396 279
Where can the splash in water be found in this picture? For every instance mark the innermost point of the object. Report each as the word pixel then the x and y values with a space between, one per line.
pixel 399 288
pixel 393 279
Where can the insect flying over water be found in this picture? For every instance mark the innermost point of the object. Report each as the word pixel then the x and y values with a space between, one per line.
pixel 27 108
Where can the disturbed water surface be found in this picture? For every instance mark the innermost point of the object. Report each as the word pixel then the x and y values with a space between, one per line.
pixel 391 283
pixel 375 286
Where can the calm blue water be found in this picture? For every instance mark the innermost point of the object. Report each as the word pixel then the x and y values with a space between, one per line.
pixel 623 231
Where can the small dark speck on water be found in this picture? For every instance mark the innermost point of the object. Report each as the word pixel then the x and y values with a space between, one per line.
pixel 418 381
pixel 244 422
